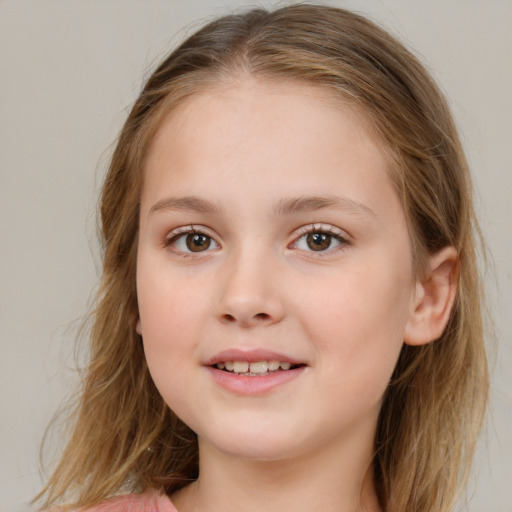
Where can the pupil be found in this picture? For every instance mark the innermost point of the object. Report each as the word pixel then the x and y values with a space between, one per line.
pixel 318 241
pixel 198 242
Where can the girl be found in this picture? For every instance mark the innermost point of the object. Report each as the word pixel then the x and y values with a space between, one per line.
pixel 290 311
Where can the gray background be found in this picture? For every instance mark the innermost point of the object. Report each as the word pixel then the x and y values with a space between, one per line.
pixel 69 69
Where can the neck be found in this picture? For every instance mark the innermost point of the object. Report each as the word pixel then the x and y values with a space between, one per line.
pixel 337 479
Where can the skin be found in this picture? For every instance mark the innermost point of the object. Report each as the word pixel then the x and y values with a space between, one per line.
pixel 344 312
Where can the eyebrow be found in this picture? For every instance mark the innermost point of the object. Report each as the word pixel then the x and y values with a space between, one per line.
pixel 185 204
pixel 286 206
pixel 292 205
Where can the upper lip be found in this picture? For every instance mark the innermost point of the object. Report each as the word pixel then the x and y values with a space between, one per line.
pixel 251 356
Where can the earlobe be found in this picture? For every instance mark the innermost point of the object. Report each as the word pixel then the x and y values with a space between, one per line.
pixel 434 298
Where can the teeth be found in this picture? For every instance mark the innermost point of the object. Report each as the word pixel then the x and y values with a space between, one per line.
pixel 259 367
pixel 240 367
pixel 253 368
pixel 273 366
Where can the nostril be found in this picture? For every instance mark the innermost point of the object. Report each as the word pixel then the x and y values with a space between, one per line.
pixel 258 317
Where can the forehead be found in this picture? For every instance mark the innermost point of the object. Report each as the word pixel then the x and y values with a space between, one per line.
pixel 262 109
pixel 287 97
pixel 251 133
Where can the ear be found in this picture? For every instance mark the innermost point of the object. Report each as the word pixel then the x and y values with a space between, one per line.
pixel 138 327
pixel 434 298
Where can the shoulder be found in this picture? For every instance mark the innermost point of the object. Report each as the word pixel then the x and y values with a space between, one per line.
pixel 150 501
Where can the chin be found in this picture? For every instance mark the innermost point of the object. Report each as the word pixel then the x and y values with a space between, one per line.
pixel 256 451
pixel 257 444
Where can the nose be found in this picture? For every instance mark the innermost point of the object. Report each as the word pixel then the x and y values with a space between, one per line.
pixel 249 294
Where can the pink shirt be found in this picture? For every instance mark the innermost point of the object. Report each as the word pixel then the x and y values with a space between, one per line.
pixel 150 501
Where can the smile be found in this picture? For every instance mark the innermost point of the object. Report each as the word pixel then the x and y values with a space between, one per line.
pixel 255 372
pixel 255 368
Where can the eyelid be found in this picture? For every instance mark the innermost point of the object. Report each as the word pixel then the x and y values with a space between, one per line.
pixel 321 227
pixel 181 231
pixel 342 236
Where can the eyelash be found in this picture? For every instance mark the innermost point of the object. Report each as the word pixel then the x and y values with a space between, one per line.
pixel 183 232
pixel 336 234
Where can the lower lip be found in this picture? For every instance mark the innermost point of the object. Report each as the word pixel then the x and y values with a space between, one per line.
pixel 256 385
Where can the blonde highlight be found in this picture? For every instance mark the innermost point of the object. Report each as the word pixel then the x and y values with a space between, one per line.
pixel 125 436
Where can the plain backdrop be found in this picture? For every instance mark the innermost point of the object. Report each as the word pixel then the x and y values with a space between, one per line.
pixel 70 69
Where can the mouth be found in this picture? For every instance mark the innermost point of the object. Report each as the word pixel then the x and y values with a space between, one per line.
pixel 255 368
pixel 254 372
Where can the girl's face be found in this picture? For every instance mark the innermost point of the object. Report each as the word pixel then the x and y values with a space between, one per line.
pixel 274 271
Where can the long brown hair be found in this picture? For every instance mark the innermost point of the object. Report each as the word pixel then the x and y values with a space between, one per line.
pixel 124 436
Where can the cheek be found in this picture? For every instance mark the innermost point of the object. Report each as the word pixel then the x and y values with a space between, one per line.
pixel 169 309
pixel 168 302
pixel 365 300
pixel 358 321
pixel 169 345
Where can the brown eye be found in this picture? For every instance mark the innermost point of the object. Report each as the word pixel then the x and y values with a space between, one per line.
pixel 318 241
pixel 197 242
pixel 187 240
